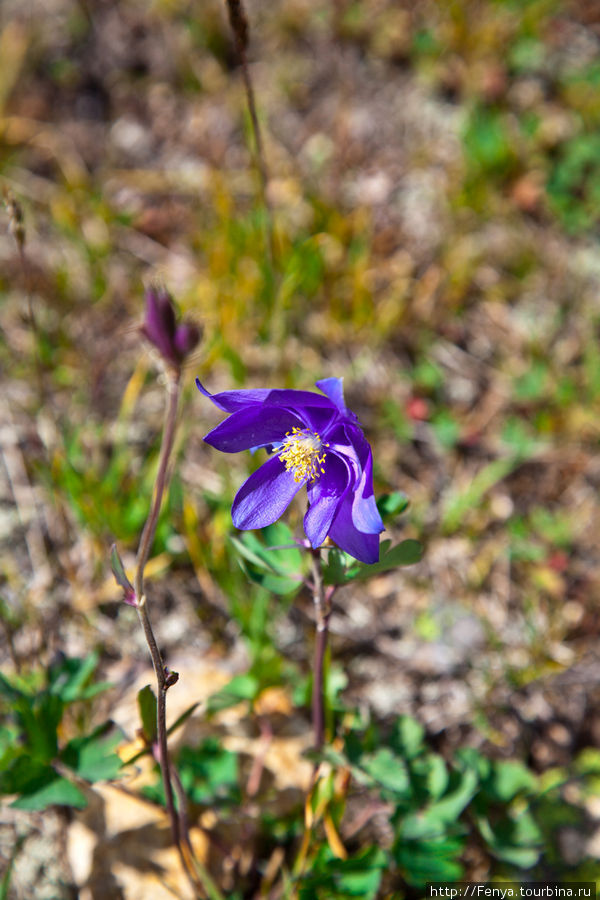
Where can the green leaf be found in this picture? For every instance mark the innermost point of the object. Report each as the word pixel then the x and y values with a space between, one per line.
pixel 282 551
pixel 435 861
pixel 8 690
pixel 39 785
pixel 433 821
pixel 388 770
pixel 277 584
pixel 69 679
pixel 92 756
pixel 509 778
pixel 39 717
pixel 249 548
pixel 406 553
pixel 334 571
pixel 9 745
pixel 209 772
pixel 241 687
pixel 448 809
pixel 407 737
pixel 392 504
pixel 343 879
pixel 276 566
pixel 118 570
pixel 147 706
pixel 58 791
pixel 515 841
pixel 432 774
pixel 470 758
pixel 179 721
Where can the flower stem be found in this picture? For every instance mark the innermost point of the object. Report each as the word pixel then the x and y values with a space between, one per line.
pixel 239 25
pixel 168 438
pixel 322 601
pixel 162 682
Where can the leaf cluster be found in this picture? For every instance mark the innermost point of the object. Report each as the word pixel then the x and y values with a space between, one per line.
pixel 35 765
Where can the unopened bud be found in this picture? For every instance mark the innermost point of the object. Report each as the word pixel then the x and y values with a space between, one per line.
pixel 171 678
pixel 173 342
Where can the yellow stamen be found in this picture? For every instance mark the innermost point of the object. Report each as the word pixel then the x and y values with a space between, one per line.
pixel 301 454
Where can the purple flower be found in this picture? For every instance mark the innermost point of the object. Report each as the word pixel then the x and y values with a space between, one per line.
pixel 315 441
pixel 173 342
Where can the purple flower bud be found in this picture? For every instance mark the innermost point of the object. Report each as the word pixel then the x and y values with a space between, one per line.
pixel 173 342
pixel 186 338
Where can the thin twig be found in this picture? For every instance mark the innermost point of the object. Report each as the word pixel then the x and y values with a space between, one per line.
pixel 163 681
pixel 16 226
pixel 239 25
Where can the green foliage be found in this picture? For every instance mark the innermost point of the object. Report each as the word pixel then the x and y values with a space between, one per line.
pixel 392 504
pixel 240 688
pixel 148 714
pixel 209 775
pixel 104 491
pixel 344 284
pixel 574 183
pixel 275 562
pixel 437 806
pixel 460 502
pixel 32 759
pixel 446 429
pixel 92 757
pixel 331 878
pixel 342 568
pixel 488 143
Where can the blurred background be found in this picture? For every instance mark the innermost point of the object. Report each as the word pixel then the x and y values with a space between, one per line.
pixel 431 234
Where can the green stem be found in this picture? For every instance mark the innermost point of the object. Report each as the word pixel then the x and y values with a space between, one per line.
pixel 322 602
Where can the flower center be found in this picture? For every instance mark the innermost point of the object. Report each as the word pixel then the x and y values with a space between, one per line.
pixel 301 453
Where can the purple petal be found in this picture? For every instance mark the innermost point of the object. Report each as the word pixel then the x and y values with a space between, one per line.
pixel 334 389
pixel 186 338
pixel 318 419
pixel 365 514
pixel 297 399
pixel 364 547
pixel 164 309
pixel 254 427
pixel 265 496
pixel 232 401
pixel 340 443
pixel 324 497
pixel 159 324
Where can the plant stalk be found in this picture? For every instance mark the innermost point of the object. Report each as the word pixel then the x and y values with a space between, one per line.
pixel 322 602
pixel 162 681
pixel 239 25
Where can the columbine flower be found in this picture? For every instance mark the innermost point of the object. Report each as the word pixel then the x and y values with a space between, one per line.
pixel 173 342
pixel 315 441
